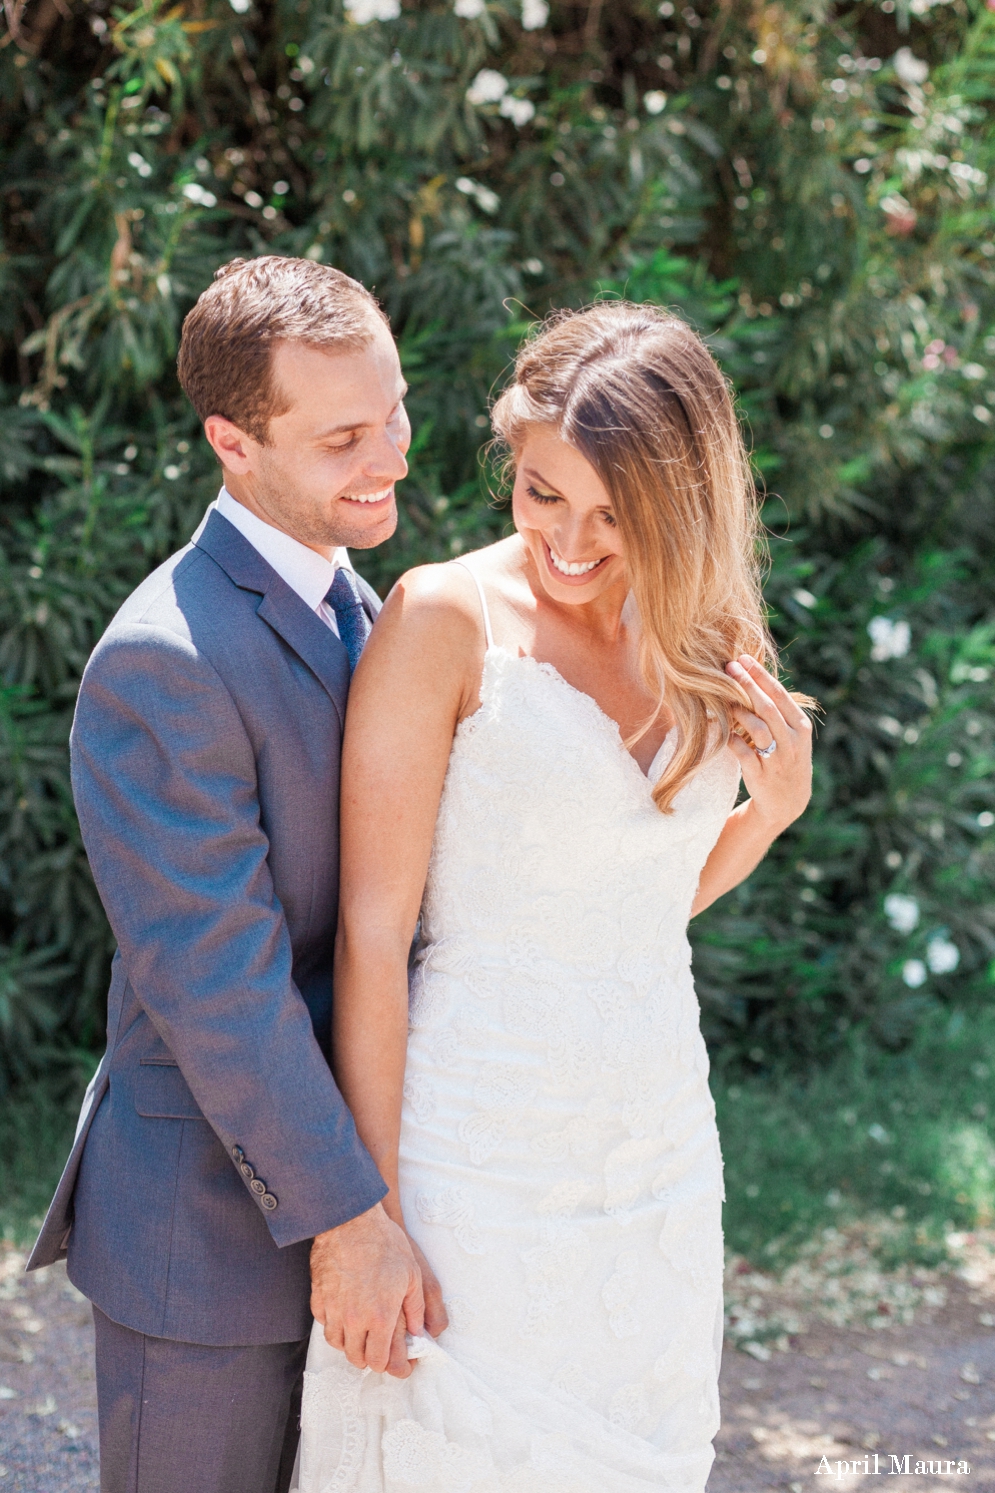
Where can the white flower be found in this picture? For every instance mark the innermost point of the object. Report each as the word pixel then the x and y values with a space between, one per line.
pixel 973 370
pixel 879 1133
pixel 655 102
pixel 365 11
pixel 239 6
pixel 140 164
pixel 942 956
pixel 518 110
pixel 469 10
pixel 902 912
pixel 910 69
pixel 487 87
pixel 961 171
pixel 805 598
pixel 535 13
pixel 890 639
pixel 485 199
pixel 194 192
pixel 914 973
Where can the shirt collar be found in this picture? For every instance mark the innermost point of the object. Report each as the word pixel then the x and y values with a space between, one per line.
pixel 303 569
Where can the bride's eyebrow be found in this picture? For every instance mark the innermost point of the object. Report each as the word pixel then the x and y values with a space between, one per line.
pixel 534 476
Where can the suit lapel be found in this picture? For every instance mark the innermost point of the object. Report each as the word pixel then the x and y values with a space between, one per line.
pixel 310 638
pixel 280 607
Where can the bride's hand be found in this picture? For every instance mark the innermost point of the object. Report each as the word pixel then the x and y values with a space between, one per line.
pixel 779 781
pixel 436 1316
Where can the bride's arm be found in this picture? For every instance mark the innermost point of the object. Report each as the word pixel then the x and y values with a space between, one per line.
pixel 779 785
pixel 418 676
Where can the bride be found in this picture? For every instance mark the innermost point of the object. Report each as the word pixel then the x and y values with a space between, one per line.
pixel 543 752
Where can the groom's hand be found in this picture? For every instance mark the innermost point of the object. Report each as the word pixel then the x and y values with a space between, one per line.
pixel 366 1291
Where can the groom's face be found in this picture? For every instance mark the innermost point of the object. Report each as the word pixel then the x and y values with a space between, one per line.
pixel 327 471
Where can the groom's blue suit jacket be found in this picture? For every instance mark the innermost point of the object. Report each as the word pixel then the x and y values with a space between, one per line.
pixel 213 1143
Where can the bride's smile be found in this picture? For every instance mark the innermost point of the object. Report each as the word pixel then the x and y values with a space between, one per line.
pixel 579 571
pixel 564 514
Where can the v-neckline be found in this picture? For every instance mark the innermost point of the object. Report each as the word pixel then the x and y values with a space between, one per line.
pixel 551 671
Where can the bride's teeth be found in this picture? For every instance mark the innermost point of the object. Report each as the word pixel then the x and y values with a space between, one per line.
pixel 368 497
pixel 569 567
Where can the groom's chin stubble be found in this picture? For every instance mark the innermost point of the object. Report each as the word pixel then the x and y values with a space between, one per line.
pixel 353 533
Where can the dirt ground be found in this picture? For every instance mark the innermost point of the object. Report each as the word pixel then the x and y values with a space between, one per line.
pixel 834 1359
pixel 853 1363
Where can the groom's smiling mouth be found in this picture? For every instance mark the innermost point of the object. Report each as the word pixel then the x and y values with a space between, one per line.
pixel 382 496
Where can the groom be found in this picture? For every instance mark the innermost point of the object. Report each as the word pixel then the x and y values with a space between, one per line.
pixel 214 1145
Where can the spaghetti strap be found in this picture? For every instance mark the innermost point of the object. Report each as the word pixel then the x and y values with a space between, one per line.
pixel 483 601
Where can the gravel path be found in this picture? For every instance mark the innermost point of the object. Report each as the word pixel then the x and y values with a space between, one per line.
pixel 838 1361
pixel 48 1412
pixel 926 1389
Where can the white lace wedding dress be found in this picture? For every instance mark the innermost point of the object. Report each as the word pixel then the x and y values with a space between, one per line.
pixel 560 1164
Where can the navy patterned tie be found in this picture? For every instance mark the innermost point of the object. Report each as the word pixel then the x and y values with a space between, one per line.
pixel 345 601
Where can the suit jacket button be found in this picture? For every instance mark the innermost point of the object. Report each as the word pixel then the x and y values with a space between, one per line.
pixel 237 1154
pixel 268 1201
pixel 258 1186
pixel 247 1171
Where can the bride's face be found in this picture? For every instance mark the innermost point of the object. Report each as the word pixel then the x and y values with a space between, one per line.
pixel 563 512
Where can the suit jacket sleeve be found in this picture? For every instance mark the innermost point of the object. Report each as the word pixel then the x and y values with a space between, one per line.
pixel 164 778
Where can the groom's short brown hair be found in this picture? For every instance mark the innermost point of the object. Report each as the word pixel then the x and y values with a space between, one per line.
pixel 226 350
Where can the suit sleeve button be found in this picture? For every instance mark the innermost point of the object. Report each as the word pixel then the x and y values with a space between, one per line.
pixel 247 1171
pixel 258 1186
pixel 237 1154
pixel 268 1201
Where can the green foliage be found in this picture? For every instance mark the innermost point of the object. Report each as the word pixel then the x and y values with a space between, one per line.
pixel 36 1134
pixel 903 800
pixel 809 186
pixel 865 1133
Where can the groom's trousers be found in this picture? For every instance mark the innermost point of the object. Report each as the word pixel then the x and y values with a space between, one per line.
pixel 186 1418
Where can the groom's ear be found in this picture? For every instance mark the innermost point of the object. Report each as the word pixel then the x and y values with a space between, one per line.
pixel 232 446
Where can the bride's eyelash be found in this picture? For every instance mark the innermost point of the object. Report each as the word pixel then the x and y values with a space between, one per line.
pixel 550 497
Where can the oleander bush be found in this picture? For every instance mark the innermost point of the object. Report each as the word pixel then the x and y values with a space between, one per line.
pixel 809 183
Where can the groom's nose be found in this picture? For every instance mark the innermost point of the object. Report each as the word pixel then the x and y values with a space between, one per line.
pixel 385 458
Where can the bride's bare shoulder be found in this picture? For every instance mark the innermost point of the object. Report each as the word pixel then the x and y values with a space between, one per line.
pixel 434 599
pixel 443 600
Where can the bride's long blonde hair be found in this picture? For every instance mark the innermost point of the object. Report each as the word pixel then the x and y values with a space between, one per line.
pixel 636 392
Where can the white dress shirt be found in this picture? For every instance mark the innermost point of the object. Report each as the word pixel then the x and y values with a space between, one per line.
pixel 303 569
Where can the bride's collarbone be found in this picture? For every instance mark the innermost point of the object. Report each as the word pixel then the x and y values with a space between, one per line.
pixel 606 673
pixel 622 699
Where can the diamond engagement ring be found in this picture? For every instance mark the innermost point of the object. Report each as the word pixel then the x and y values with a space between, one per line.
pixel 767 751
